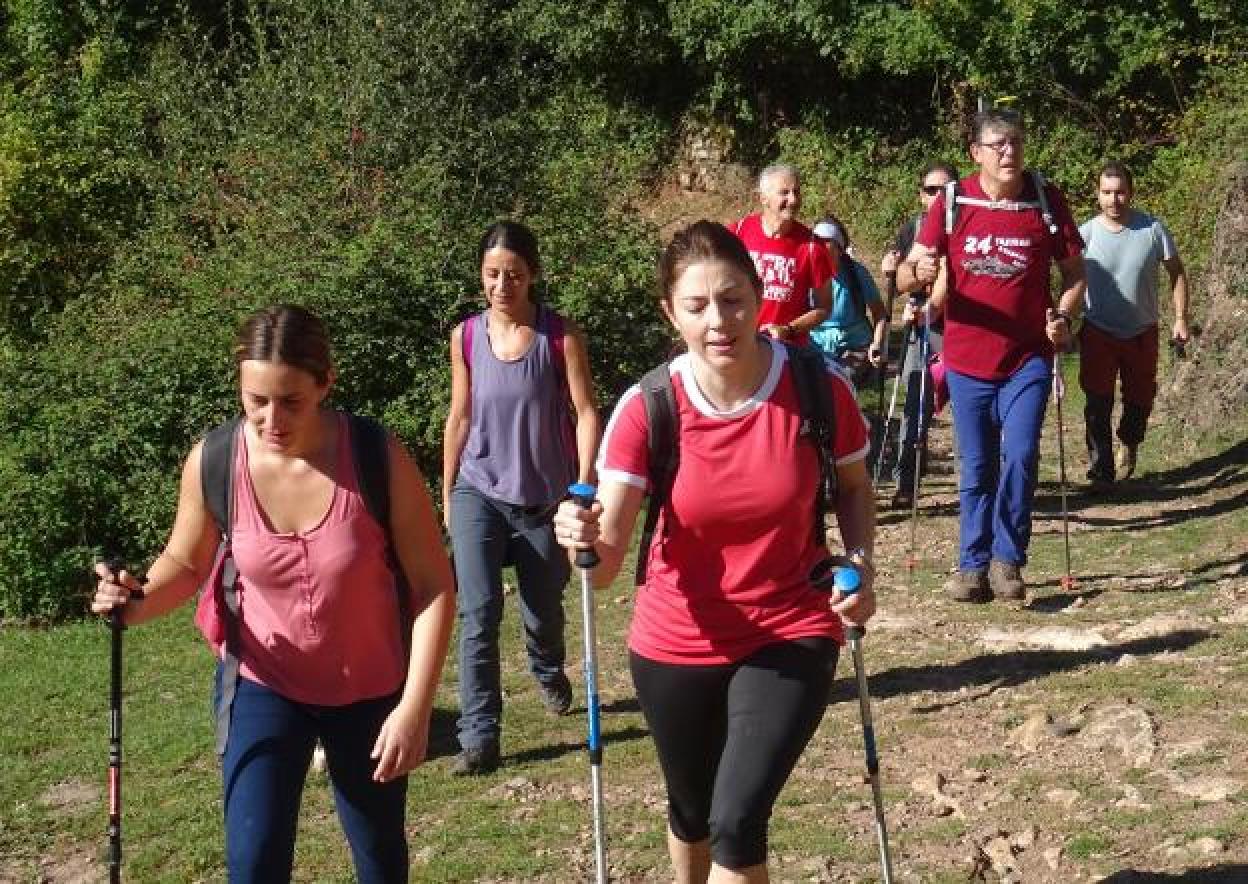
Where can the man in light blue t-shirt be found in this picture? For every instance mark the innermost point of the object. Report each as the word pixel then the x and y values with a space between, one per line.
pixel 1124 248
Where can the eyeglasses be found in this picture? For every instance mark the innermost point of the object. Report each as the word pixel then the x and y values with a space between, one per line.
pixel 1016 144
pixel 932 189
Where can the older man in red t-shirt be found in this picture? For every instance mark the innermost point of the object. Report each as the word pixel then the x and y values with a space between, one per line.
pixel 795 267
pixel 1000 333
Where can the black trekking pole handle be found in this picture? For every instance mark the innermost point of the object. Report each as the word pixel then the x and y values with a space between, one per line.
pixel 117 625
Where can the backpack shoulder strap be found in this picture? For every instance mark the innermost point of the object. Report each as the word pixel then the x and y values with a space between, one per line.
pixel 555 330
pixel 814 401
pixel 370 455
pixel 853 282
pixel 952 192
pixel 216 476
pixel 371 458
pixel 216 473
pixel 1042 198
pixel 663 446
pixel 465 340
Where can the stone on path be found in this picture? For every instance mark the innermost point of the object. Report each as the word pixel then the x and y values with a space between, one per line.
pixel 1125 729
pixel 1053 638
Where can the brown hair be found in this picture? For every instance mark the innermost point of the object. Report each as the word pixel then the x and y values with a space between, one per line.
pixel 1115 169
pixel 703 241
pixel 287 334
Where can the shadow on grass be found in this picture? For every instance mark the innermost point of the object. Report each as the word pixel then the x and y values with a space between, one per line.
pixel 1219 874
pixel 1218 471
pixel 1003 671
pixel 555 750
pixel 1153 582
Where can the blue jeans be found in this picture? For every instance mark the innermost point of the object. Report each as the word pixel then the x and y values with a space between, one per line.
pixel 998 425
pixel 265 764
pixel 486 534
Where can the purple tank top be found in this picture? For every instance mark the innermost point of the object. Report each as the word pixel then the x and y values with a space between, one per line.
pixel 516 449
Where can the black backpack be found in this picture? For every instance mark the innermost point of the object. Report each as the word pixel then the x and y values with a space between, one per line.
pixel 370 457
pixel 810 376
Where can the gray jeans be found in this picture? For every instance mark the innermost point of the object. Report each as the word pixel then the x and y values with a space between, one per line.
pixel 487 534
pixel 911 378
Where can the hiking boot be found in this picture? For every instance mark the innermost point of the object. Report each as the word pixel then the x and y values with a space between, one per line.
pixel 969 586
pixel 557 695
pixel 1100 485
pixel 1006 581
pixel 1126 460
pixel 475 760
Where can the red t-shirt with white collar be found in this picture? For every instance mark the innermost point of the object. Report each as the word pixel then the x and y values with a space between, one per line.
pixel 728 567
pixel 790 265
pixel 999 278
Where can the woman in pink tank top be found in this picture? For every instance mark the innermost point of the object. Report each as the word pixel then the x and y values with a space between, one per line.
pixel 321 648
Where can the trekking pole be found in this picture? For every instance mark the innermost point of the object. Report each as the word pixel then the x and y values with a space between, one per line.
pixel 117 626
pixel 586 559
pixel 1059 393
pixel 832 574
pixel 906 334
pixel 925 343
pixel 890 287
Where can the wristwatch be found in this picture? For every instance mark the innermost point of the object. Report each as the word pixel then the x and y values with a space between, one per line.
pixel 861 560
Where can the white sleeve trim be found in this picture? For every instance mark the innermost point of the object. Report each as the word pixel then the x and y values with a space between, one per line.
pixel 623 478
pixel 854 456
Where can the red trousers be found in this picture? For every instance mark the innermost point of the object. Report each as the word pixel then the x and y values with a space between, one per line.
pixel 1103 358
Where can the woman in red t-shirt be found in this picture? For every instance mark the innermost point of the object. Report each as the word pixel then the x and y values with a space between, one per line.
pixel 732 649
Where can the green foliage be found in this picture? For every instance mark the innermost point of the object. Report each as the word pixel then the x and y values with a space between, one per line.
pixel 345 161
pixel 166 167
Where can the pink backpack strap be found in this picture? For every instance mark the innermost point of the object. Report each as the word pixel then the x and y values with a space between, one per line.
pixel 555 331
pixel 465 340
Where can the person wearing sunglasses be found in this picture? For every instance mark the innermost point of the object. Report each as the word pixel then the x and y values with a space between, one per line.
pixel 932 181
pixel 998 238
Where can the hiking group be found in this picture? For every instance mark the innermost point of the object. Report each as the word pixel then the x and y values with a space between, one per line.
pixel 328 593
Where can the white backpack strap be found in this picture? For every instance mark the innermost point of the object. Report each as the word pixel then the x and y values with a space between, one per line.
pixel 951 205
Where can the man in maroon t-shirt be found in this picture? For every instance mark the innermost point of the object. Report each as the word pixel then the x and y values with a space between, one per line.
pixel 795 267
pixel 1000 333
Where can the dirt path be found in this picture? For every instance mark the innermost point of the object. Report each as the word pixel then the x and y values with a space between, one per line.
pixel 1089 735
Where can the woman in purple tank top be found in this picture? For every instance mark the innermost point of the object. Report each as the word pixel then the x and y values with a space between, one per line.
pixel 522 418
pixel 317 649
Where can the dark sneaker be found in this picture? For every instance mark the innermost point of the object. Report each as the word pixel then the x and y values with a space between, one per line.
pixel 475 760
pixel 1125 462
pixel 557 695
pixel 902 500
pixel 1006 581
pixel 969 586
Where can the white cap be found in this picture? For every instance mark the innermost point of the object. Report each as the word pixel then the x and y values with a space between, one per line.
pixel 828 230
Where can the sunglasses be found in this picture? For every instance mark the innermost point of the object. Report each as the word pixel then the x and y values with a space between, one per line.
pixel 932 189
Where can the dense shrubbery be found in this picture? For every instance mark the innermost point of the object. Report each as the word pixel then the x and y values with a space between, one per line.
pixel 165 167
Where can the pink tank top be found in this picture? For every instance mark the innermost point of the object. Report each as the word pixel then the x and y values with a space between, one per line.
pixel 320 620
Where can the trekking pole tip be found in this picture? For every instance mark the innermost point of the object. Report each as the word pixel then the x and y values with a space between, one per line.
pixel 1069 583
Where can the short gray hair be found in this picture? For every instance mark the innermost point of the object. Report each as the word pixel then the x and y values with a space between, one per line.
pixel 777 169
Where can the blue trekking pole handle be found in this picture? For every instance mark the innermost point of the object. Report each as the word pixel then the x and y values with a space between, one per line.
pixel 583 494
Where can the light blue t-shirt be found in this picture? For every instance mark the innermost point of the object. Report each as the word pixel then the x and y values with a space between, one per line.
pixel 847 326
pixel 1122 268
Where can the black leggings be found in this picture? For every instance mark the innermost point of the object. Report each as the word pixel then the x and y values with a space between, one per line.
pixel 728 736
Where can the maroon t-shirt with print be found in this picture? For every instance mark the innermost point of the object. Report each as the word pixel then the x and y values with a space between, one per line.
pixel 999 262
